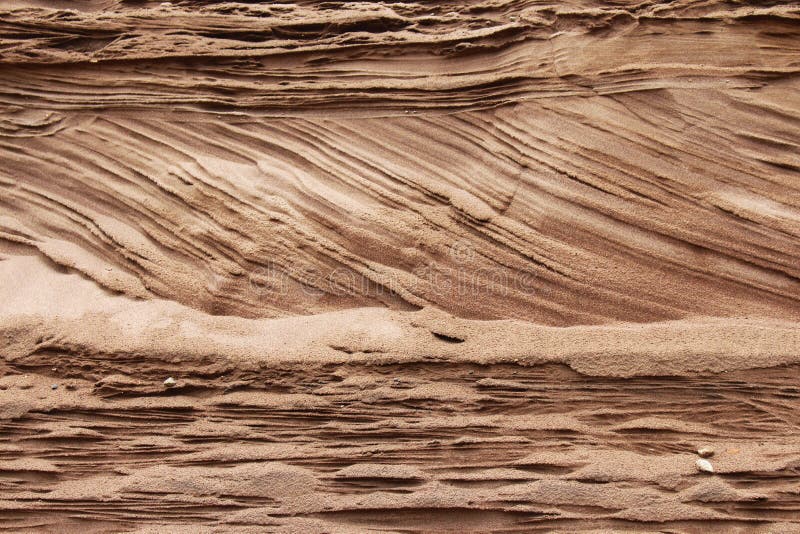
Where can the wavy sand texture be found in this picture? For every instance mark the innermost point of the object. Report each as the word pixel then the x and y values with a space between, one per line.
pixel 496 266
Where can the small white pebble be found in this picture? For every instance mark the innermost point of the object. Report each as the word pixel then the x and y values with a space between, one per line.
pixel 704 465
pixel 705 452
pixel 54 386
pixel 169 382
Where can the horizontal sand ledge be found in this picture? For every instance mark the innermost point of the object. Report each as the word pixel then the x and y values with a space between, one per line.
pixel 45 312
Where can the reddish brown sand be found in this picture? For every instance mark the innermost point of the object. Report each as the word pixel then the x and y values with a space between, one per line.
pixel 496 266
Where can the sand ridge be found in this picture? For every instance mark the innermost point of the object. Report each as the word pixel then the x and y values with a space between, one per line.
pixel 47 313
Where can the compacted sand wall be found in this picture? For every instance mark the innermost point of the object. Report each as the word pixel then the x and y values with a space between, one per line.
pixel 399 267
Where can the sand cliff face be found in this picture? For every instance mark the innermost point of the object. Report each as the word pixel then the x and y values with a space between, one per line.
pixel 477 266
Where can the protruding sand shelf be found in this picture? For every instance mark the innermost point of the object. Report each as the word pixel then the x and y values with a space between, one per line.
pixel 399 267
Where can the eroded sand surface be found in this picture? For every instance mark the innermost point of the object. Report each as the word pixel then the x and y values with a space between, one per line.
pixel 492 266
